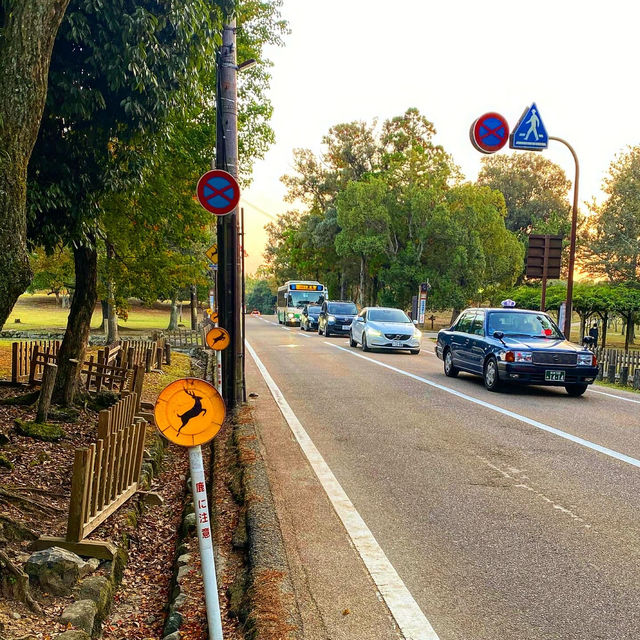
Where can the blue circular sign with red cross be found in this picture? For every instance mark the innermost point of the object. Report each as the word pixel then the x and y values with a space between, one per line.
pixel 218 192
pixel 489 133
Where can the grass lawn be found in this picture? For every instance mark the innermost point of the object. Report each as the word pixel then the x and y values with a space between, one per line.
pixel 39 311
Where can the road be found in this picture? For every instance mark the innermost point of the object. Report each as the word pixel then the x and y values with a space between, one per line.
pixel 508 516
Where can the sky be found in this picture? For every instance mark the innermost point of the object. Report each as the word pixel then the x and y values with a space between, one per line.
pixel 454 60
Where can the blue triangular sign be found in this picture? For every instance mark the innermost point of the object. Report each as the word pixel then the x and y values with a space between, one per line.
pixel 529 134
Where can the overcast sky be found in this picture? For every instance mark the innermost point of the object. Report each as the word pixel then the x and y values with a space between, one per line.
pixel 453 60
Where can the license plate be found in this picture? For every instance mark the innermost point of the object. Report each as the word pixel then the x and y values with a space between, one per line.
pixel 397 343
pixel 346 327
pixel 553 375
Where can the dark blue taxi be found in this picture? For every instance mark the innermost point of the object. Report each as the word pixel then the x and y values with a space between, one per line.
pixel 507 345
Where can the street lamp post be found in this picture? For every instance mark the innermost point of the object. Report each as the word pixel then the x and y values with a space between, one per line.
pixel 572 241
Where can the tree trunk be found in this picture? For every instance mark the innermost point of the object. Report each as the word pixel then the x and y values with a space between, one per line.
pixel 173 318
pixel 27 34
pixel 74 343
pixel 362 271
pixel 605 322
pixel 194 307
pixel 112 318
pixel 343 284
pixel 104 305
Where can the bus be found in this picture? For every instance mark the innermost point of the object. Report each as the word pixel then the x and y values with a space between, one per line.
pixel 293 295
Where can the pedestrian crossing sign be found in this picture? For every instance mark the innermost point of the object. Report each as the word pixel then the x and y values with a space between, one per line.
pixel 529 134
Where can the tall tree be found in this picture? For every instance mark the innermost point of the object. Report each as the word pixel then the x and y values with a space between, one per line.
pixel 611 242
pixel 27 33
pixel 535 191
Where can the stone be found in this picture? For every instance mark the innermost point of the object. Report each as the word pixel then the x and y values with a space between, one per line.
pixel 15 615
pixel 173 636
pixel 179 601
pixel 99 589
pixel 189 523
pixel 56 570
pixel 80 614
pixel 174 622
pixel 150 619
pixel 185 558
pixel 182 572
pixel 94 563
pixel 73 634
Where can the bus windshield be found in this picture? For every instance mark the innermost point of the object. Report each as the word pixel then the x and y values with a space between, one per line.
pixel 303 298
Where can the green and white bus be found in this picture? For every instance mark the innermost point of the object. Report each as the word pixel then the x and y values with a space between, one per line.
pixel 294 295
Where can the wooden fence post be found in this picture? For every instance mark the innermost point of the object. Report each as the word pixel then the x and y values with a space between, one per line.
pixel 46 390
pixel 624 375
pixel 14 362
pixel 148 360
pixel 636 379
pixel 611 372
pixel 80 480
pixel 167 352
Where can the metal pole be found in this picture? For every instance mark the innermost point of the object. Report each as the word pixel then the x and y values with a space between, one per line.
pixel 244 310
pixel 194 307
pixel 572 242
pixel 545 264
pixel 228 271
pixel 205 532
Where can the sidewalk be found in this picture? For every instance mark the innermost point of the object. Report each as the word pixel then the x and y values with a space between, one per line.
pixel 335 596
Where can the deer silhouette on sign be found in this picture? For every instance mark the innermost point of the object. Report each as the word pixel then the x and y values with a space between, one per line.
pixel 194 412
pixel 219 338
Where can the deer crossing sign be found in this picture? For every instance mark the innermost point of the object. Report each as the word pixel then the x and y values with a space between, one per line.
pixel 189 412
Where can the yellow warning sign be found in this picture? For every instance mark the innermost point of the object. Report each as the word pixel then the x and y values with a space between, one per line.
pixel 213 316
pixel 218 338
pixel 212 253
pixel 189 412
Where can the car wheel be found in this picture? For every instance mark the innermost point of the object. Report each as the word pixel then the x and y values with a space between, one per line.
pixel 352 342
pixel 575 390
pixel 491 376
pixel 449 370
pixel 365 346
pixel 414 352
pixel 327 333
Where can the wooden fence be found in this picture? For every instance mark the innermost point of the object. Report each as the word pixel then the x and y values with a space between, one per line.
pixel 126 353
pixel 22 354
pixel 184 338
pixel 619 366
pixel 105 476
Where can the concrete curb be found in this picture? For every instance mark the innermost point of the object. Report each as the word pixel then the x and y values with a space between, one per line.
pixel 273 612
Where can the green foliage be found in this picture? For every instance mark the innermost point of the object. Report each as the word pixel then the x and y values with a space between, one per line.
pixel 39 431
pixel 611 244
pixel 53 272
pixel 535 192
pixel 260 296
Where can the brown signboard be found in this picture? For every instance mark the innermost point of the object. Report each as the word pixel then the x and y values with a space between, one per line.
pixel 539 245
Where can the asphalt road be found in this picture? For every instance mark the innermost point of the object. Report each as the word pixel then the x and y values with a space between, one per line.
pixel 509 516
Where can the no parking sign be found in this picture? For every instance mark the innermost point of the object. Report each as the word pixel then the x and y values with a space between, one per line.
pixel 218 192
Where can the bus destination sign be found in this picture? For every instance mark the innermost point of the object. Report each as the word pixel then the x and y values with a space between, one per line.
pixel 306 287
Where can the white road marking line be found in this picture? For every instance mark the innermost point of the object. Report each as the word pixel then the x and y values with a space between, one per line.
pixel 303 335
pixel 534 423
pixel 613 395
pixel 412 622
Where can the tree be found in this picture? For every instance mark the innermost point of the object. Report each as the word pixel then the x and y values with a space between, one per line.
pixel 120 72
pixel 53 273
pixel 260 296
pixel 611 244
pixel 535 192
pixel 24 60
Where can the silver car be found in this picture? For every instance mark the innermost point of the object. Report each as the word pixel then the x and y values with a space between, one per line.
pixel 384 328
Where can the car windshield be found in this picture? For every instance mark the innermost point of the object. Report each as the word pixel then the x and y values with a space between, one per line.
pixel 314 310
pixel 527 325
pixel 343 308
pixel 388 315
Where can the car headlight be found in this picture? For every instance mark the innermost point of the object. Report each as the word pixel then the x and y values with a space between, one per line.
pixel 291 315
pixel 518 356
pixel 586 359
pixel 373 332
pixel 417 333
pixel 331 318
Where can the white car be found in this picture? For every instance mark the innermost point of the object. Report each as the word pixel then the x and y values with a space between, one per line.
pixel 384 328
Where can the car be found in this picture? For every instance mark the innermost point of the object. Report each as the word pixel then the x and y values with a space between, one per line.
pixel 309 317
pixel 255 312
pixel 508 345
pixel 336 317
pixel 385 328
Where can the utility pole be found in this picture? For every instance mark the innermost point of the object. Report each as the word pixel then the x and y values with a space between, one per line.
pixel 229 280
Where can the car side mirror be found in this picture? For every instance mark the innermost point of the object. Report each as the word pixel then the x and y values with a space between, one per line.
pixel 498 334
pixel 415 322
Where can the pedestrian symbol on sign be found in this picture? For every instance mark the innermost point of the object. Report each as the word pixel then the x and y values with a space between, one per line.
pixel 530 134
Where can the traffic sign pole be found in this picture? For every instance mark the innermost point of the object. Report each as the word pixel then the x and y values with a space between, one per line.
pixel 201 507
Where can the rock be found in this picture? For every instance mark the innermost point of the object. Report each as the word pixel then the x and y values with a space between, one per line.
pixel 73 634
pixel 94 563
pixel 173 636
pixel 57 570
pixel 80 614
pixel 185 558
pixel 182 572
pixel 39 431
pixel 179 601
pixel 189 524
pixel 100 590
pixel 174 622
pixel 15 615
pixel 150 619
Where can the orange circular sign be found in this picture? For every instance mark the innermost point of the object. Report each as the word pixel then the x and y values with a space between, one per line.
pixel 189 412
pixel 218 338
pixel 214 316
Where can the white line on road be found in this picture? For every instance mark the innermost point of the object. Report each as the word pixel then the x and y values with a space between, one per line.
pixel 613 395
pixel 412 622
pixel 534 423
